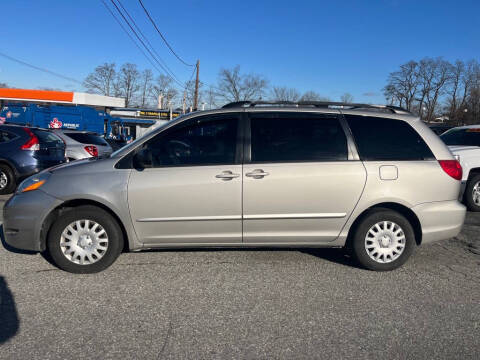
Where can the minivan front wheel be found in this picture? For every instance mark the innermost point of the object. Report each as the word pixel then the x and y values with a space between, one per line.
pixel 85 239
pixel 383 240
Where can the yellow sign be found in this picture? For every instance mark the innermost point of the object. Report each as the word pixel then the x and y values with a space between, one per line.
pixel 158 114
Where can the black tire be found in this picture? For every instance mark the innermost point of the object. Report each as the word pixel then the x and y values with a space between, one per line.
pixel 91 213
pixel 468 195
pixel 8 174
pixel 358 240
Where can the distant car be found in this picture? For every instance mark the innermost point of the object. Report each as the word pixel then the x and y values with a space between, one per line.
pixel 439 129
pixel 116 144
pixel 25 151
pixel 464 143
pixel 84 144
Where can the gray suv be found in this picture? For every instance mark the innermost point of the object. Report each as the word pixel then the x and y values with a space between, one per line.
pixel 372 179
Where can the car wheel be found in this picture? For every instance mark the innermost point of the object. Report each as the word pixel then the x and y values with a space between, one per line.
pixel 7 180
pixel 85 239
pixel 383 240
pixel 472 193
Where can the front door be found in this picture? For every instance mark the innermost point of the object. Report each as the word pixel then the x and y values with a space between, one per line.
pixel 301 181
pixel 192 194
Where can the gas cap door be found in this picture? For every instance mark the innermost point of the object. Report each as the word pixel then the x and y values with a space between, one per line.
pixel 388 172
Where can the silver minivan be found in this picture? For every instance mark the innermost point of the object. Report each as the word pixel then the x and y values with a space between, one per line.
pixel 372 179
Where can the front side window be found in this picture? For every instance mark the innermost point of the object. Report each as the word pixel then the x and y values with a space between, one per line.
pixel 297 137
pixel 468 137
pixel 206 141
pixel 380 139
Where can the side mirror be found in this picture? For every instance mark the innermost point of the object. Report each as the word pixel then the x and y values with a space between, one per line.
pixel 142 159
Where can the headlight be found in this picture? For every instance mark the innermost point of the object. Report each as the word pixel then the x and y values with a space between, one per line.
pixel 33 182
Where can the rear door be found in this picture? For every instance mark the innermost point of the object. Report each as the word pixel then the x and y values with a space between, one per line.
pixel 301 178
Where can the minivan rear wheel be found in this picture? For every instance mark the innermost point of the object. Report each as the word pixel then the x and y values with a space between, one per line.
pixel 383 240
pixel 85 239
pixel 7 180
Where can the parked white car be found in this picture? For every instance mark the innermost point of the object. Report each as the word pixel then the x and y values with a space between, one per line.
pixel 464 143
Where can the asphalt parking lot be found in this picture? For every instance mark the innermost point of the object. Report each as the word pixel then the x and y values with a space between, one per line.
pixel 246 304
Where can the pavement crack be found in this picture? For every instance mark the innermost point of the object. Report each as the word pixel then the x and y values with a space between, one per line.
pixel 167 338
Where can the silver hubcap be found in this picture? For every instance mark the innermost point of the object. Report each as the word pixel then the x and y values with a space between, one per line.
pixel 385 242
pixel 476 193
pixel 3 180
pixel 84 242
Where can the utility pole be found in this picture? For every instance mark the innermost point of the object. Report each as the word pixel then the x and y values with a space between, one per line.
pixel 195 101
pixel 184 101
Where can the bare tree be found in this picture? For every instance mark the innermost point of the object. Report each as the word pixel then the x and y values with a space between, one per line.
pixel 190 90
pixel 163 86
pixel 434 75
pixel 146 87
pixel 4 85
pixel 211 97
pixel 285 94
pixel 128 82
pixel 346 98
pixel 101 80
pixel 402 85
pixel 313 96
pixel 234 86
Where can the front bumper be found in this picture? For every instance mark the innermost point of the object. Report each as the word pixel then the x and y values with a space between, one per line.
pixel 23 217
pixel 440 220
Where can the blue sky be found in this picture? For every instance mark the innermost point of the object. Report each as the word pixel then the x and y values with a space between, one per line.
pixel 330 47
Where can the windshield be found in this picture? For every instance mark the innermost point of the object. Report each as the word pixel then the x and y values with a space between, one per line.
pixel 468 137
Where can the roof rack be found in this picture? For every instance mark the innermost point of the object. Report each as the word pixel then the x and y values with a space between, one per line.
pixel 318 104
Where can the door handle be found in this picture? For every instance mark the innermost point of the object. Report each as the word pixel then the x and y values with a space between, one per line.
pixel 257 174
pixel 227 175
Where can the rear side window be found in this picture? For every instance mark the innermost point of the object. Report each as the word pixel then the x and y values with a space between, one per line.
pixel 470 137
pixel 387 139
pixel 86 138
pixel 297 137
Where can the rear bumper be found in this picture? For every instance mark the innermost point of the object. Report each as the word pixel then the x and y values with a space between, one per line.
pixel 23 218
pixel 440 220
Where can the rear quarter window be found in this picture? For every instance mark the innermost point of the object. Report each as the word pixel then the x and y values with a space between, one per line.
pixel 47 137
pixel 6 136
pixel 86 138
pixel 387 139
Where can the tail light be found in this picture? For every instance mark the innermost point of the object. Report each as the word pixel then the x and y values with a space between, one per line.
pixel 92 150
pixel 32 143
pixel 452 168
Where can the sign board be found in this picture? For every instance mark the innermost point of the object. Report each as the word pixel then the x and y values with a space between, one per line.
pixel 157 114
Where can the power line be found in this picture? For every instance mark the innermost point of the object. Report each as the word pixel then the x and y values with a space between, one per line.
pixel 41 69
pixel 130 36
pixel 141 41
pixel 161 35
pixel 170 72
